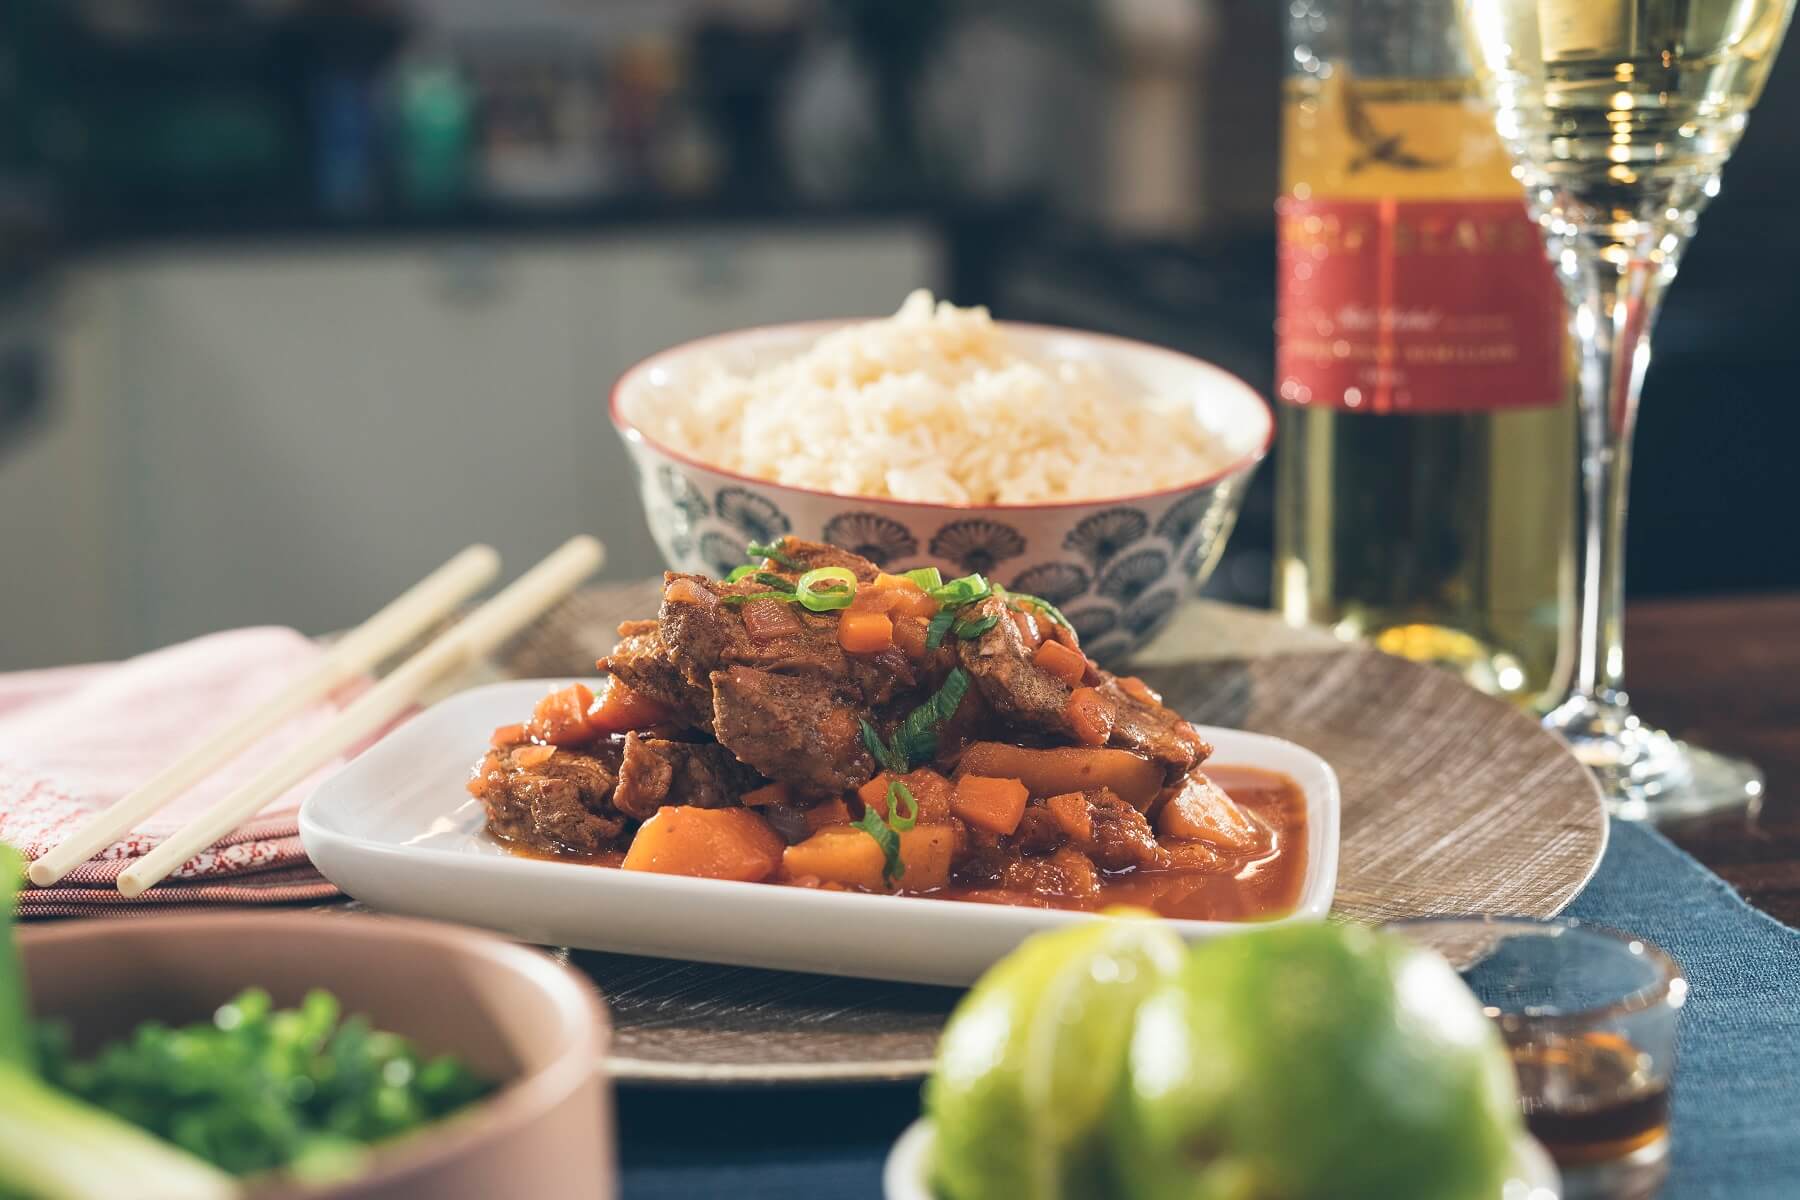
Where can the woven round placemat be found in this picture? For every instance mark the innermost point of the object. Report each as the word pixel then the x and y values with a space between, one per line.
pixel 1453 803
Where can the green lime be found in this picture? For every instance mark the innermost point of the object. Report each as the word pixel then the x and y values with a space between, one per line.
pixel 1315 1062
pixel 1030 1061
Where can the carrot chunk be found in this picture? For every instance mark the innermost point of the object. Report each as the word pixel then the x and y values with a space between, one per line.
pixel 849 857
pixel 910 634
pixel 713 843
pixel 1028 627
pixel 561 718
pixel 773 793
pixel 930 791
pixel 1072 815
pixel 1090 716
pixel 1066 664
pixel 865 632
pixel 620 710
pixel 827 813
pixel 907 599
pixel 995 805
pixel 532 756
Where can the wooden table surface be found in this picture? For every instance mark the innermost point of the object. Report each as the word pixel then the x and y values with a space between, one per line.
pixel 1725 673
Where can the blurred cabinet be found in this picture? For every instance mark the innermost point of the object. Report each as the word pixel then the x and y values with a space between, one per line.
pixel 293 435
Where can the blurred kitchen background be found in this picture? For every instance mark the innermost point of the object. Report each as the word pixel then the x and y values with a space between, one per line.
pixel 299 296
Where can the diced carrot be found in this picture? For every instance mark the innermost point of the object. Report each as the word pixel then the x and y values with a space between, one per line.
pixel 1072 815
pixel 713 843
pixel 827 813
pixel 773 793
pixel 925 850
pixel 841 854
pixel 873 794
pixel 875 599
pixel 1073 874
pixel 1090 716
pixel 532 756
pixel 509 735
pixel 620 710
pixel 1138 690
pixel 995 805
pixel 865 632
pixel 910 634
pixel 1028 627
pixel 933 793
pixel 849 857
pixel 1066 664
pixel 766 620
pixel 930 791
pixel 561 718
pixel 910 599
pixel 1198 810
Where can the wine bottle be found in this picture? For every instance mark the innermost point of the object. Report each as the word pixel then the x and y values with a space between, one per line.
pixel 1425 487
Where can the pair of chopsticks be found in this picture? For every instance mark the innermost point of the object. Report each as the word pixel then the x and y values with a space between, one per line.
pixel 362 649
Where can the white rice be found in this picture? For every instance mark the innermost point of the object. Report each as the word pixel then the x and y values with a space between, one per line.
pixel 933 404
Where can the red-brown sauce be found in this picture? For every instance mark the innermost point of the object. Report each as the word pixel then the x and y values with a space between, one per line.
pixel 1248 887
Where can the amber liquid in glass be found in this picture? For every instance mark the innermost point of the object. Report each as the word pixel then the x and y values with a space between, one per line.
pixel 1592 1098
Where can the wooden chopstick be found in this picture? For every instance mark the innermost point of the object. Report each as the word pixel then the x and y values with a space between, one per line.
pixel 407 616
pixel 527 598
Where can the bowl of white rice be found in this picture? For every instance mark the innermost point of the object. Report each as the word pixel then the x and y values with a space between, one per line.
pixel 1100 474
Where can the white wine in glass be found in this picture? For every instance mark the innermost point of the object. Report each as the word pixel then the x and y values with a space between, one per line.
pixel 1619 116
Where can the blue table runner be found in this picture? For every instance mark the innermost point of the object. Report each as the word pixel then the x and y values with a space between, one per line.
pixel 1737 1086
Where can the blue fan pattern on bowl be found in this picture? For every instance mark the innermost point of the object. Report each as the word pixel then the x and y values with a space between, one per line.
pixel 1118 573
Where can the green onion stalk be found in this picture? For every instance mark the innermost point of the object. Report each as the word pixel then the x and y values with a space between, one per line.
pixel 56 1147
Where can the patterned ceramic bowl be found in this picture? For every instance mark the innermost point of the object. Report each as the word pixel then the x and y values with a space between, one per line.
pixel 1117 568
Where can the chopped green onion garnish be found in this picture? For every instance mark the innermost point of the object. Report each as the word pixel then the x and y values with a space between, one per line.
pixel 916 740
pixel 929 578
pixel 825 589
pixel 774 551
pixel 883 753
pixel 769 579
pixel 940 625
pixel 970 630
pixel 738 573
pixel 899 794
pixel 959 592
pixel 1048 609
pixel 892 868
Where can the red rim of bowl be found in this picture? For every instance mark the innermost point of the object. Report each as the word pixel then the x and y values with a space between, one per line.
pixel 629 429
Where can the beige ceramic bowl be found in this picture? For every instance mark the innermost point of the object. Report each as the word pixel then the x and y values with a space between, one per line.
pixel 508 1010
pixel 1118 568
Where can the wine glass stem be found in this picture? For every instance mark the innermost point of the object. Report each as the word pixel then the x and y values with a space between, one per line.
pixel 1613 306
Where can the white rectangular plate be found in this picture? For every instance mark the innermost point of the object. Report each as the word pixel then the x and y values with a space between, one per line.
pixel 397 830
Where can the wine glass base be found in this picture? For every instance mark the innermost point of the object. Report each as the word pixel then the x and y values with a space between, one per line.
pixel 1645 774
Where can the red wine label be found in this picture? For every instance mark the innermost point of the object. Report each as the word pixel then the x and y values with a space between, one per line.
pixel 1416 306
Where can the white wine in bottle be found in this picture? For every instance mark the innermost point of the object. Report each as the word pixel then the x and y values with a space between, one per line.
pixel 1425 488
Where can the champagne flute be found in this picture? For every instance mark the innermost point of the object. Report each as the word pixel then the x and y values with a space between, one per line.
pixel 1619 116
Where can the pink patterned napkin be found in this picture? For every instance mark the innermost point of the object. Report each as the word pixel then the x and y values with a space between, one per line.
pixel 74 739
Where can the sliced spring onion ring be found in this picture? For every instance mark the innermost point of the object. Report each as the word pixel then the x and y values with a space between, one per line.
pixel 738 573
pixel 929 578
pixel 940 625
pixel 826 589
pixel 899 794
